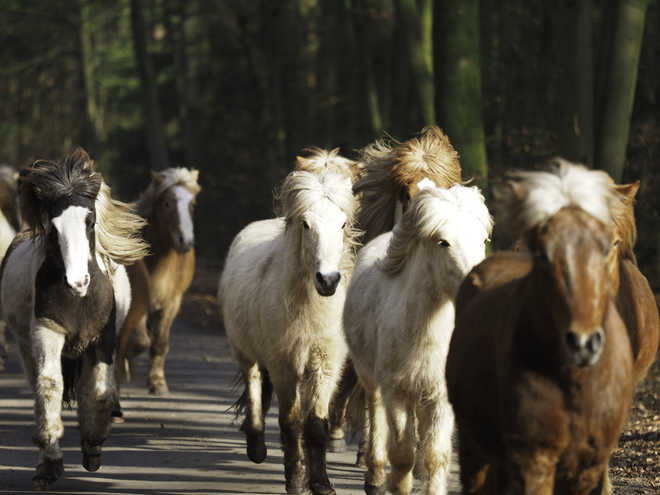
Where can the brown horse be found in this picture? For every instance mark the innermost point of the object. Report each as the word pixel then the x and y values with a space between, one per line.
pixel 634 297
pixel 389 178
pixel 167 204
pixel 540 370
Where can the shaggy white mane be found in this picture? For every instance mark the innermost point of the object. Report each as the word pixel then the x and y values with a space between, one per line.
pixel 161 182
pixel 429 211
pixel 532 198
pixel 301 189
pixel 321 161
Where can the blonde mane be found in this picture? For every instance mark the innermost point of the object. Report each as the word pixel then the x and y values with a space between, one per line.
pixel 321 162
pixel 623 216
pixel 161 182
pixel 531 198
pixel 385 170
pixel 117 231
pixel 429 211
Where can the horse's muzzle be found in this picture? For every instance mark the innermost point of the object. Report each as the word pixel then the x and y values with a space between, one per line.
pixel 585 349
pixel 326 285
pixel 77 288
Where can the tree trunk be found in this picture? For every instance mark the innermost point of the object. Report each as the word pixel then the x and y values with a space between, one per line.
pixel 621 78
pixel 156 144
pixel 461 86
pixel 416 23
pixel 87 56
pixel 576 82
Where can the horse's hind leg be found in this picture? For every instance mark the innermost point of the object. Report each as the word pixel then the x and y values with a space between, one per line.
pixel 402 444
pixel 290 421
pixel 44 369
pixel 159 324
pixel 436 423
pixel 337 413
pixel 258 392
pixel 96 394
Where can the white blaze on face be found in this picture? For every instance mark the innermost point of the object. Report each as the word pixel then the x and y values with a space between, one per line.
pixel 425 183
pixel 183 199
pixel 74 245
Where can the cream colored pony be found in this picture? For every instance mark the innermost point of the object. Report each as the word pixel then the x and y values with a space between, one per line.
pixel 398 320
pixel 282 293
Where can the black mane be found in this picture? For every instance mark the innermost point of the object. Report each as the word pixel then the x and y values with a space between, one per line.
pixel 45 183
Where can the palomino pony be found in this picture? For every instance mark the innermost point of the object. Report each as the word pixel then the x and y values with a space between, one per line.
pixel 65 293
pixel 540 370
pixel 321 162
pixel 282 294
pixel 167 205
pixel 389 178
pixel 398 319
pixel 10 225
pixel 634 297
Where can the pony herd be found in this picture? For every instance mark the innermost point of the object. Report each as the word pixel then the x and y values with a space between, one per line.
pixel 368 298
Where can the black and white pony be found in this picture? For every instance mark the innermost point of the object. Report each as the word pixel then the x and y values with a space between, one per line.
pixel 64 293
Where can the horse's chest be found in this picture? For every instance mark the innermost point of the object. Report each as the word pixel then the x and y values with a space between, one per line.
pixel 170 276
pixel 82 318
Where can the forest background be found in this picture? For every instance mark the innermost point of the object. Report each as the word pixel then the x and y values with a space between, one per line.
pixel 238 88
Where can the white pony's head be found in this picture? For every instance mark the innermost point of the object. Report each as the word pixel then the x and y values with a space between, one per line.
pixel 320 210
pixel 449 225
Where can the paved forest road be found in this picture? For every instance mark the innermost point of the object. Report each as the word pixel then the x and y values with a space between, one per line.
pixel 184 444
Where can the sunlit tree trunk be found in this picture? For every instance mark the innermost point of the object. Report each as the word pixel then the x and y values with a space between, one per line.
pixel 576 82
pixel 87 56
pixel 416 17
pixel 460 86
pixel 621 78
pixel 156 145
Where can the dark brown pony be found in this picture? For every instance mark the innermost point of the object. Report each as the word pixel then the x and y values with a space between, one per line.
pixel 167 205
pixel 634 297
pixel 540 370
pixel 389 175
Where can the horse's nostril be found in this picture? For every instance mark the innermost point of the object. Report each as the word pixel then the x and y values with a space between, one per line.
pixel 595 341
pixel 572 340
pixel 319 278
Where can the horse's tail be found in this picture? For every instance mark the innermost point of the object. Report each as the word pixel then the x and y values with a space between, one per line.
pixel 266 393
pixel 357 398
pixel 71 371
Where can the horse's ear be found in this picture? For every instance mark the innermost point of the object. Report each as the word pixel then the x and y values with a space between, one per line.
pixel 80 155
pixel 195 174
pixel 156 177
pixel 517 190
pixel 300 161
pixel 628 190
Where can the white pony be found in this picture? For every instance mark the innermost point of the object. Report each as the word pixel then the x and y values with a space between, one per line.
pixel 282 294
pixel 398 320
pixel 321 162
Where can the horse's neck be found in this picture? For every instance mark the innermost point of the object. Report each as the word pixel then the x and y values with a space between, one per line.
pixel 426 296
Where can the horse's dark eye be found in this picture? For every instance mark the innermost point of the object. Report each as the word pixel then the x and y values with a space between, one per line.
pixel 305 224
pixel 542 255
pixel 91 226
pixel 343 226
pixel 166 204
pixel 444 243
pixel 487 240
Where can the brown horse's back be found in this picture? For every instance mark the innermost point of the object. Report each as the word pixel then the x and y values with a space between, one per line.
pixel 639 311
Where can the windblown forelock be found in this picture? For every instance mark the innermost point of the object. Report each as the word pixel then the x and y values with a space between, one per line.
pixel 321 162
pixel 301 189
pixel 45 183
pixel 532 198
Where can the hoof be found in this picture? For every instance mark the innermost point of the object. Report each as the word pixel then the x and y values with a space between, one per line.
pixel 374 490
pixel 336 445
pixel 91 462
pixel 359 460
pixel 322 489
pixel 41 484
pixel 295 486
pixel 159 390
pixel 54 469
pixel 256 449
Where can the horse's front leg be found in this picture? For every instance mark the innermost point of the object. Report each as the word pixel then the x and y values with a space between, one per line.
pixel 96 394
pixel 287 389
pixel 257 395
pixel 337 413
pixel 44 367
pixel 159 323
pixel 436 423
pixel 401 420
